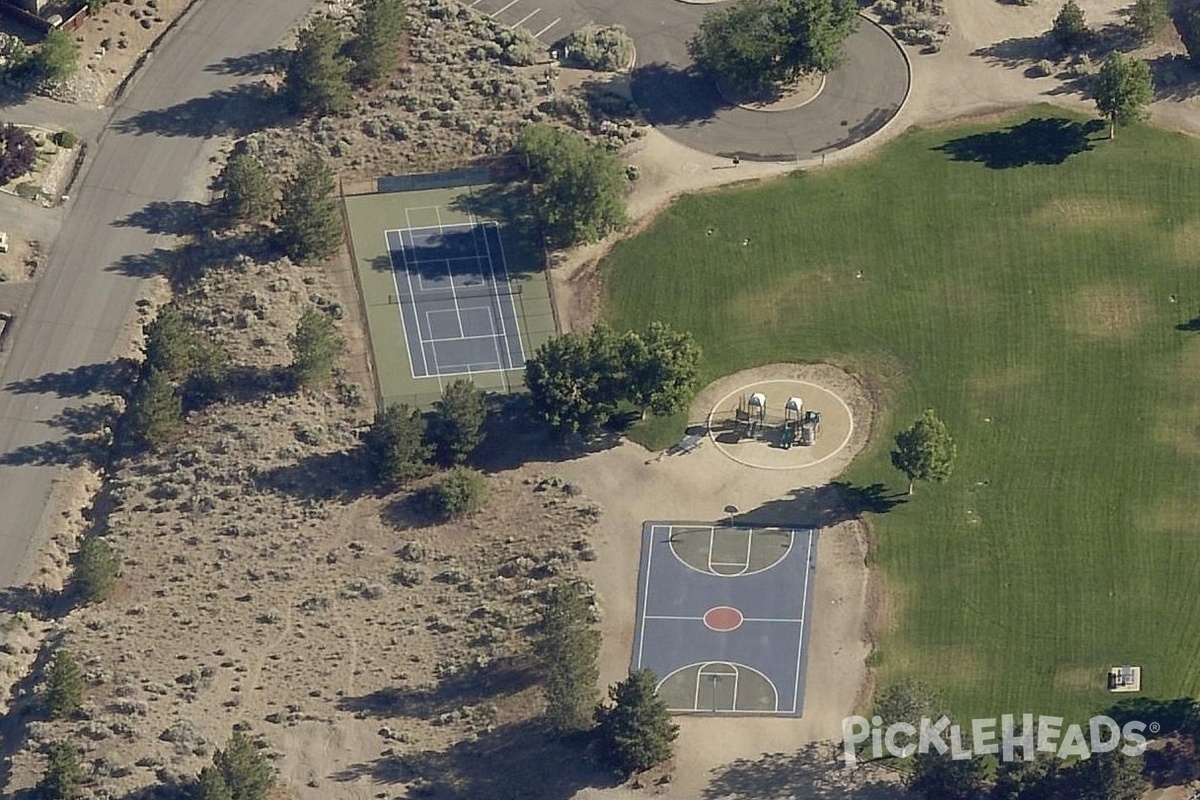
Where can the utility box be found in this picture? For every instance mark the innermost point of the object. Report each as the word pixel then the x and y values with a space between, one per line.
pixel 3 242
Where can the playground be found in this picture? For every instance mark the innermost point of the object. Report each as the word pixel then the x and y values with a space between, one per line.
pixel 780 424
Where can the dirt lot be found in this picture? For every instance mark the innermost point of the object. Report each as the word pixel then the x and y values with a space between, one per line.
pixel 265 584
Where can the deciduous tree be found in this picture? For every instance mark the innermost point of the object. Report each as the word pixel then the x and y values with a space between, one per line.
pixel 316 347
pixel 576 380
pixel 375 48
pixel 635 728
pixel 58 57
pixel 317 80
pixel 456 425
pixel 1123 89
pixel 661 366
pixel 459 493
pixel 939 777
pixel 567 647
pixel 924 451
pixel 758 44
pixel 309 223
pixel 1106 776
pixel 18 152
pixel 580 185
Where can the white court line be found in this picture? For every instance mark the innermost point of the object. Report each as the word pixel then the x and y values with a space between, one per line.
pixel 506 8
pixel 712 535
pixel 646 590
pixel 737 673
pixel 803 606
pixel 456 258
pixel 523 21
pixel 495 283
pixel 448 226
pixel 466 338
pixel 548 27
pixel 749 544
pixel 436 366
pixel 420 337
pixel 453 292
pixel 511 302
pixel 701 619
pixel 496 345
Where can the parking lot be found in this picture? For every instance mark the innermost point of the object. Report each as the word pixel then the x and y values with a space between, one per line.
pixel 548 20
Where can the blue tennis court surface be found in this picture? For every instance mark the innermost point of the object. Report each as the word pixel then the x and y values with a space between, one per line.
pixel 456 299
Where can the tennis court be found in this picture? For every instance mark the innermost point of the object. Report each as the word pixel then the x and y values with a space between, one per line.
pixel 456 301
pixel 452 281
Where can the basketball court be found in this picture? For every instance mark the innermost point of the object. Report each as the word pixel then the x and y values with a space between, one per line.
pixel 723 616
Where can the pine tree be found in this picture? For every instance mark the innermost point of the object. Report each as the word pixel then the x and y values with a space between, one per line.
pixel 96 570
pixel 636 731
pixel 309 223
pixel 246 771
pixel 155 411
pixel 211 785
pixel 249 189
pixel 375 48
pixel 316 347
pixel 317 80
pixel 567 647
pixel 64 685
pixel 63 775
pixel 1070 28
pixel 395 444
pixel 456 425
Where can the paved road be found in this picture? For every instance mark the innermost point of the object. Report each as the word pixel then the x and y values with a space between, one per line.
pixel 150 152
pixel 856 101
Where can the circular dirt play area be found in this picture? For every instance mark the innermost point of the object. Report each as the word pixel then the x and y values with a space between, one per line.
pixel 787 416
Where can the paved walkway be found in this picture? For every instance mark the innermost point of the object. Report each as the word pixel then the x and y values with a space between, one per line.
pixel 858 99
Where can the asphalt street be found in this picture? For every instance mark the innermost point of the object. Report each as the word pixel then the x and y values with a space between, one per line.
pixel 150 152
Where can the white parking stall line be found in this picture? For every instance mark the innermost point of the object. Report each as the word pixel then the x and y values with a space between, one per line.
pixel 502 10
pixel 523 21
pixel 538 35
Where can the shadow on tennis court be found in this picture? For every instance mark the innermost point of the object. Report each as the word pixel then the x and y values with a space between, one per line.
pixel 814 771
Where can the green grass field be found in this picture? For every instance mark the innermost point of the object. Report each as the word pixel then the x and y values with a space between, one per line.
pixel 1030 304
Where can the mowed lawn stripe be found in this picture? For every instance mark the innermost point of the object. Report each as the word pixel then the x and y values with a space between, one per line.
pixel 1030 306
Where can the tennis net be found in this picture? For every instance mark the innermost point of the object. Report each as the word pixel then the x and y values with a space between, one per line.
pixel 463 293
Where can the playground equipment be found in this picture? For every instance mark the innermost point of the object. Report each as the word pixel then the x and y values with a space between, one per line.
pixel 792 411
pixel 810 427
pixel 751 414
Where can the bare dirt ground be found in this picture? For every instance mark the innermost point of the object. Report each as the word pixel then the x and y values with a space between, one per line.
pixel 375 655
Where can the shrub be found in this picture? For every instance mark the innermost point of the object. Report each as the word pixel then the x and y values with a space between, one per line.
pixel 521 48
pixel 64 685
pixel 1042 68
pixel 66 139
pixel 608 48
pixel 58 57
pixel 96 570
pixel 461 492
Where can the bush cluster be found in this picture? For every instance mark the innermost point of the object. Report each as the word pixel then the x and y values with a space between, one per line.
pixel 601 47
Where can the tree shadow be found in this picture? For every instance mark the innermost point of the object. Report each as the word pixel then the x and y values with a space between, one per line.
pixel 1191 325
pixel 108 377
pixel 824 506
pixel 518 761
pixel 669 95
pixel 1021 51
pixel 815 771
pixel 236 112
pixel 260 63
pixel 469 687
pixel 176 218
pixel 342 476
pixel 1178 716
pixel 182 266
pixel 514 436
pixel 1175 77
pixel 1041 140
pixel 87 441
pixel 37 601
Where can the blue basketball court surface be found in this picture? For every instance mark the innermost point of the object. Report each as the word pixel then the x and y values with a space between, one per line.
pixel 724 616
